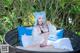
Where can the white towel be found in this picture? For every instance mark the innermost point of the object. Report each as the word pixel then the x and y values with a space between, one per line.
pixel 63 43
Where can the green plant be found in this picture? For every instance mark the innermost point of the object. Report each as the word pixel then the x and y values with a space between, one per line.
pixel 1 39
pixel 78 33
pixel 62 13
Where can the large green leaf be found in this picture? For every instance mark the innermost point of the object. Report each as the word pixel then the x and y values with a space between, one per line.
pixel 1 39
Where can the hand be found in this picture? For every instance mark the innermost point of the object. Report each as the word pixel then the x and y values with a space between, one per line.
pixel 43 44
pixel 46 33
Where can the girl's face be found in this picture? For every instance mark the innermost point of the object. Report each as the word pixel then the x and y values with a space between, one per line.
pixel 40 20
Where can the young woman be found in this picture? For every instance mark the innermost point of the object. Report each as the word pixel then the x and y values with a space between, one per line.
pixel 42 31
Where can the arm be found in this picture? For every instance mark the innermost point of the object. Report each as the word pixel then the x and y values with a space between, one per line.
pixel 45 36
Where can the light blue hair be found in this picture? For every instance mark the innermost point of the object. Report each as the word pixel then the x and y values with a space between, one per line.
pixel 38 14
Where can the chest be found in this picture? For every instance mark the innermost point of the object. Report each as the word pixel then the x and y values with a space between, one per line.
pixel 42 29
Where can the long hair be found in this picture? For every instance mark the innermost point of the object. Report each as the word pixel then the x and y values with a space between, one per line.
pixel 42 14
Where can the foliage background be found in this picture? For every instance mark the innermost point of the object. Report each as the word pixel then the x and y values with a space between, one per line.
pixel 62 13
